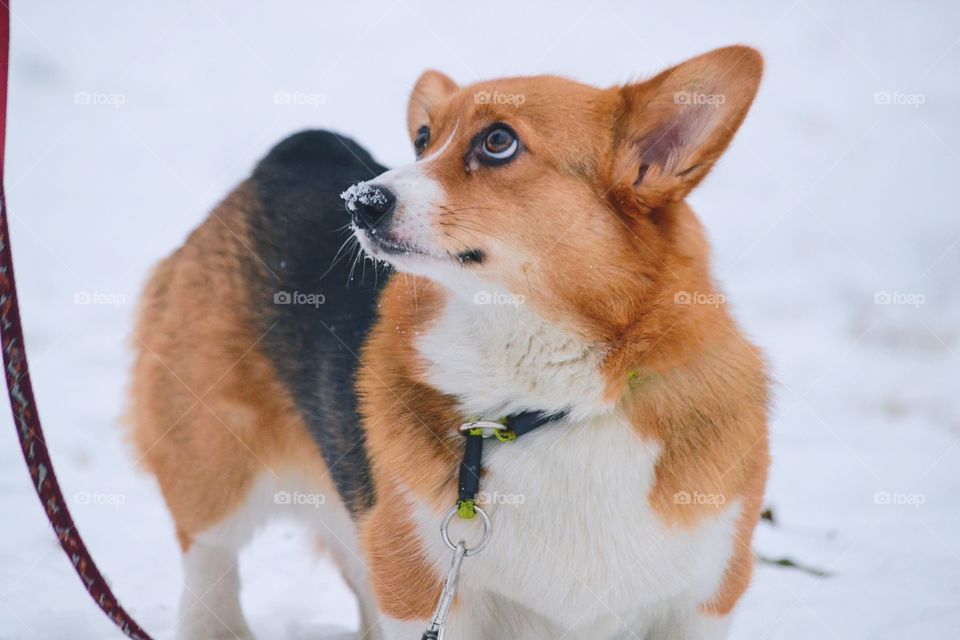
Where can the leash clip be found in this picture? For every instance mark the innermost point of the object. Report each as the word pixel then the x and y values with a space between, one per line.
pixel 436 629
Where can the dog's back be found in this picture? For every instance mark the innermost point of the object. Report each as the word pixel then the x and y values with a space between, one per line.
pixel 313 303
pixel 247 339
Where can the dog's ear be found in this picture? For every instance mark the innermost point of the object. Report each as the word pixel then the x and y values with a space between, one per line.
pixel 672 128
pixel 431 88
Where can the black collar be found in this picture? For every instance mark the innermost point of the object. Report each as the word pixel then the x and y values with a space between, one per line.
pixel 505 430
pixel 526 421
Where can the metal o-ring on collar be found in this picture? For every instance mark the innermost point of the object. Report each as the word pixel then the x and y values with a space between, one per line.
pixel 484 539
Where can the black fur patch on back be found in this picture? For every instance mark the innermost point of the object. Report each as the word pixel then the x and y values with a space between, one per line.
pixel 319 318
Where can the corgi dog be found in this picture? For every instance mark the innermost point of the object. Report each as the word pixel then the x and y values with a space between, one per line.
pixel 538 258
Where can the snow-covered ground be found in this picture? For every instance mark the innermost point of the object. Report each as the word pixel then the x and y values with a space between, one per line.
pixel 128 121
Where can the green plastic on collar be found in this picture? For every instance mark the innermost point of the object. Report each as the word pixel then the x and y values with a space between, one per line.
pixel 466 509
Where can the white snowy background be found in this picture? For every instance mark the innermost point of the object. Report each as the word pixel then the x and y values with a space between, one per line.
pixel 843 184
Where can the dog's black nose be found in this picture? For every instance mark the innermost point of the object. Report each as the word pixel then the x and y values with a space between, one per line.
pixel 372 204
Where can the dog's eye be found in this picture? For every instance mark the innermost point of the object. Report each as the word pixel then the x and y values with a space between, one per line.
pixel 422 140
pixel 499 145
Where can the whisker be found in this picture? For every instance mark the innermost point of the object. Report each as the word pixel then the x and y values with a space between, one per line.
pixel 463 244
pixel 334 261
pixel 482 232
pixel 451 209
pixel 353 267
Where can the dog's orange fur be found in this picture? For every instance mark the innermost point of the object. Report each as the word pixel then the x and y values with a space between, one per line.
pixel 405 584
pixel 408 437
pixel 599 189
pixel 209 414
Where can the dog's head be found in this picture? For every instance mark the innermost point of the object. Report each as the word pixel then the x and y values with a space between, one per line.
pixel 550 189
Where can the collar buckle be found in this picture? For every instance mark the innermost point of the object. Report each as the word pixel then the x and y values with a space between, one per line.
pixel 484 429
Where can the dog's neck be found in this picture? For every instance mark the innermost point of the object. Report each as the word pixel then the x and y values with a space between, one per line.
pixel 498 356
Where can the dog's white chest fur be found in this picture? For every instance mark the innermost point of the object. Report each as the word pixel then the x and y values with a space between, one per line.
pixel 502 358
pixel 576 547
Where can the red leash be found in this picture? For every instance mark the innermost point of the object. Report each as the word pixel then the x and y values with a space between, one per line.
pixel 25 416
